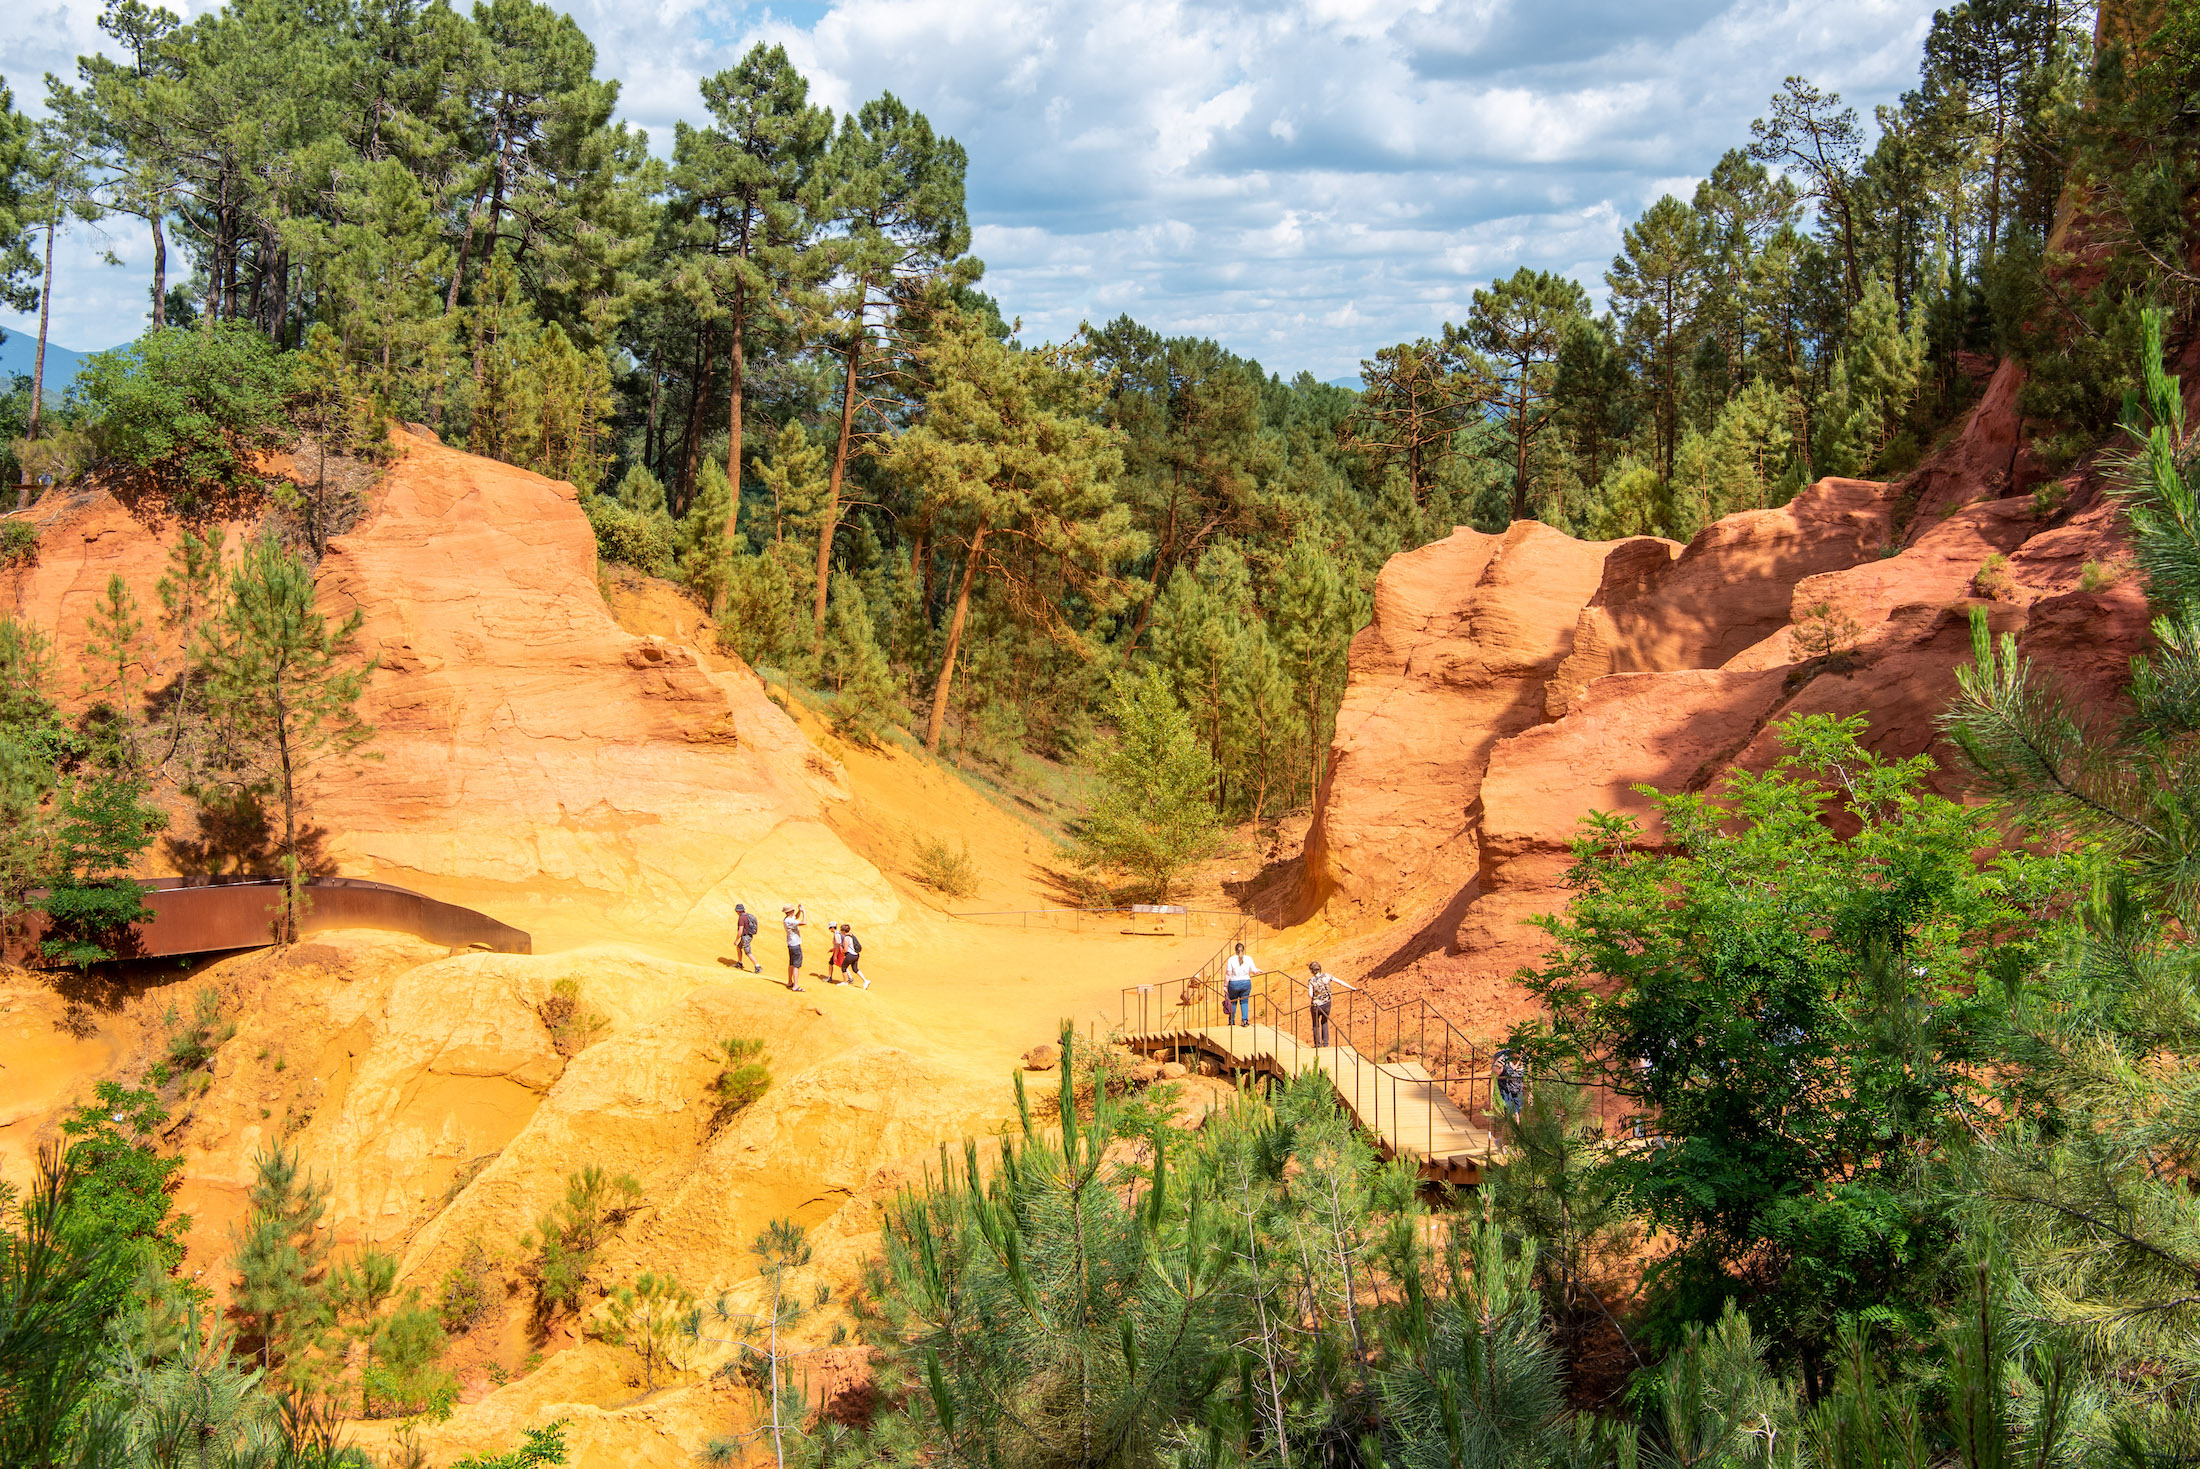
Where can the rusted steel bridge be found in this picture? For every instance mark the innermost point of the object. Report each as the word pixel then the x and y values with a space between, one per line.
pixel 205 915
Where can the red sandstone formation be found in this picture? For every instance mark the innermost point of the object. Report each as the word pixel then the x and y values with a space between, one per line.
pixel 533 755
pixel 1511 684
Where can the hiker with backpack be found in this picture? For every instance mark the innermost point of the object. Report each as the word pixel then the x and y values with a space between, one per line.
pixel 745 934
pixel 851 952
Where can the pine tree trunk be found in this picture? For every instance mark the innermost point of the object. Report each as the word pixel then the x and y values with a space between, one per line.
pixel 938 718
pixel 733 415
pixel 694 444
pixel 832 506
pixel 160 273
pixel 45 313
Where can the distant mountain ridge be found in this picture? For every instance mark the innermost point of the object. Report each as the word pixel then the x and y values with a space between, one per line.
pixel 20 350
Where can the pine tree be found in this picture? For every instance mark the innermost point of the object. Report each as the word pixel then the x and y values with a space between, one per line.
pixel 1521 323
pixel 865 699
pixel 1315 613
pixel 1874 381
pixel 1050 1313
pixel 703 547
pixel 190 593
pixel 737 203
pixel 282 697
pixel 795 475
pixel 1658 282
pixel 114 645
pixel 1153 817
pixel 1020 477
pixel 280 1256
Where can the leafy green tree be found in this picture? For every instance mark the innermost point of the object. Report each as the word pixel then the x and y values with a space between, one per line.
pixel 1153 817
pixel 187 414
pixel 280 692
pixel 1520 322
pixel 1798 1012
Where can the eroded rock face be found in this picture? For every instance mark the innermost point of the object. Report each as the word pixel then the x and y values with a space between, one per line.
pixel 1466 634
pixel 1463 767
pixel 532 752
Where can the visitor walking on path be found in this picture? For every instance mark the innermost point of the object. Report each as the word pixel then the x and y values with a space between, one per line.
pixel 1512 1082
pixel 1237 987
pixel 1318 982
pixel 833 954
pixel 745 930
pixel 791 915
pixel 851 955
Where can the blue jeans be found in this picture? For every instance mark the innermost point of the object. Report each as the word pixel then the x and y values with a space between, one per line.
pixel 1237 1005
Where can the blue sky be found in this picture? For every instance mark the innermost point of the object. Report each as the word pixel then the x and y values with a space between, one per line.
pixel 1304 180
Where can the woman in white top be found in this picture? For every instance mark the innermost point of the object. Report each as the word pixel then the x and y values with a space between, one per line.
pixel 1237 987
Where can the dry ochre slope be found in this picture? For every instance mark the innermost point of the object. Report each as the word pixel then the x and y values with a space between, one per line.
pixel 615 792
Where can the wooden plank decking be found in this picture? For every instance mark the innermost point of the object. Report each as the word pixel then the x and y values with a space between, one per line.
pixel 1396 1102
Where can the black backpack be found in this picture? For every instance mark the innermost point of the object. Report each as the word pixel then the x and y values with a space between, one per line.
pixel 850 947
pixel 748 925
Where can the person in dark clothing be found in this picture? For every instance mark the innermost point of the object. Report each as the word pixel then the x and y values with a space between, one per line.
pixel 745 928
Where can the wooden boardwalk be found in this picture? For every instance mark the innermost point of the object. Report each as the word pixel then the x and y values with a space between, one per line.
pixel 1397 1103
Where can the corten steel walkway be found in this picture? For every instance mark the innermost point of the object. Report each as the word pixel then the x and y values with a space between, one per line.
pixel 1385 1082
pixel 202 915
pixel 1412 1080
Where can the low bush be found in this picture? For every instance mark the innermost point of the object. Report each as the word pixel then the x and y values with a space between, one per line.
pixel 945 869
pixel 1993 580
pixel 572 1028
pixel 741 1081
pixel 468 1290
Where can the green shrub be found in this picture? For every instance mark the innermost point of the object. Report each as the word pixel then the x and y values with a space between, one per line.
pixel 18 543
pixel 402 1379
pixel 2099 576
pixel 186 413
pixel 944 869
pixel 741 1081
pixel 1993 580
pixel 572 1029
pixel 467 1290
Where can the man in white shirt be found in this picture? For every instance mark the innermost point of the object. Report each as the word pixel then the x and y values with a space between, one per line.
pixel 1237 987
pixel 791 915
